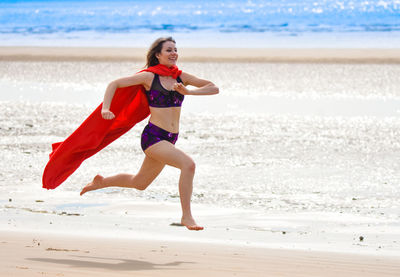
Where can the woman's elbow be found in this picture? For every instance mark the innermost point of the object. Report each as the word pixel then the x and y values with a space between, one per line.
pixel 216 89
pixel 113 85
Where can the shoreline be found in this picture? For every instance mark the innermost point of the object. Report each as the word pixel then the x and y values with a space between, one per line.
pixel 38 253
pixel 153 221
pixel 268 55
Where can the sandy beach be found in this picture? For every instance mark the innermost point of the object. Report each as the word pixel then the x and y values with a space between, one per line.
pixel 308 186
pixel 41 254
pixel 289 55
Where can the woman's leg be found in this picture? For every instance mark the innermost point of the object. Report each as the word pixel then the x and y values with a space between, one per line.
pixel 166 153
pixel 149 170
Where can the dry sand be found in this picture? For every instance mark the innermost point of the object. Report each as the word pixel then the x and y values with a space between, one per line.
pixel 41 254
pixel 300 55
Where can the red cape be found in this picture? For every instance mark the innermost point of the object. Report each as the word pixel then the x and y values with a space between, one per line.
pixel 129 105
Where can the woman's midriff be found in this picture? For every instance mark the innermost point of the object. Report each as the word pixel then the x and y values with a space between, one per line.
pixel 166 118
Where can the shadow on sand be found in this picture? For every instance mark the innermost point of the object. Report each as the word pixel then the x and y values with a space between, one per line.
pixel 109 263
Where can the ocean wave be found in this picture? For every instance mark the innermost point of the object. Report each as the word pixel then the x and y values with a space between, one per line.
pixel 224 28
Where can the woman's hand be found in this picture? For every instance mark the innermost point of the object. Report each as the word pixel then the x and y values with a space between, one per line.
pixel 179 87
pixel 107 114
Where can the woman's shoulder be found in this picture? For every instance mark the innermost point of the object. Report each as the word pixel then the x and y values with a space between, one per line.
pixel 145 78
pixel 185 77
pixel 145 74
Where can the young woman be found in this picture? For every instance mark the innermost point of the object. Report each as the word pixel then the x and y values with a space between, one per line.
pixel 165 95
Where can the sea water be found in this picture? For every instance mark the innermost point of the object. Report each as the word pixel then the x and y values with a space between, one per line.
pixel 233 23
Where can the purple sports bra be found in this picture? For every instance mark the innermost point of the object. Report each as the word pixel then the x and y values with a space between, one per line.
pixel 159 97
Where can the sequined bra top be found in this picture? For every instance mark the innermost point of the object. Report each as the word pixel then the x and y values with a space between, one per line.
pixel 159 97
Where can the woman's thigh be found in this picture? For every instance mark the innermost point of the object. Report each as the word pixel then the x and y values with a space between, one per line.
pixel 166 153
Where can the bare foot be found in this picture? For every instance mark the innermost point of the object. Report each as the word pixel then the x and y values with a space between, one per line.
pixel 190 224
pixel 95 184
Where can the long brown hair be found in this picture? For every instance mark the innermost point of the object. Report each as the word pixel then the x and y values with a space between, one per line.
pixel 156 48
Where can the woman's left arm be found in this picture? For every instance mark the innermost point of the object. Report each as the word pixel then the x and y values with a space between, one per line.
pixel 204 87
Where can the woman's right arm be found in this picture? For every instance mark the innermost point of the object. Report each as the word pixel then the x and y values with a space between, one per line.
pixel 142 78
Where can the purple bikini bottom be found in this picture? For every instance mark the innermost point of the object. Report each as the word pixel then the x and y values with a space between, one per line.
pixel 153 134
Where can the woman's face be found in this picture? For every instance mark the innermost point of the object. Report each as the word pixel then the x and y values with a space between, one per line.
pixel 168 55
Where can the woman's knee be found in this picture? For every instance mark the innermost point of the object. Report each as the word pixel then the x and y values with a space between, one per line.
pixel 189 166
